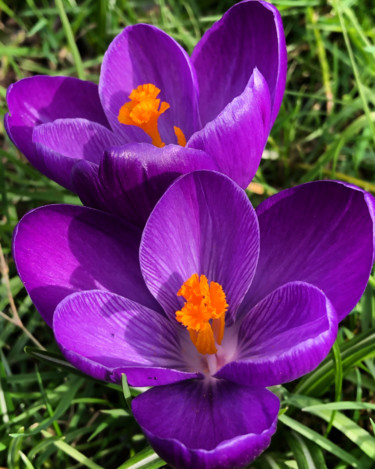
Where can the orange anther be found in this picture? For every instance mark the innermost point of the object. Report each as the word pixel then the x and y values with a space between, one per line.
pixel 181 140
pixel 143 111
pixel 203 314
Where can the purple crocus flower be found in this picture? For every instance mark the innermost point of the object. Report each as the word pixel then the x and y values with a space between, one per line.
pixel 222 302
pixel 157 113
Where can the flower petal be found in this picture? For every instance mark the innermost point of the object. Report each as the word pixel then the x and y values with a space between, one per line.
pixel 237 136
pixel 105 335
pixel 203 224
pixel 61 143
pixel 320 233
pixel 61 249
pixel 207 424
pixel 40 99
pixel 250 35
pixel 284 336
pixel 370 201
pixel 86 184
pixel 144 54
pixel 132 178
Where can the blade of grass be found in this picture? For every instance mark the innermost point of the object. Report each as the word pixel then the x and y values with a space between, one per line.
pixel 73 452
pixel 70 39
pixel 338 10
pixel 145 459
pixel 307 455
pixel 350 429
pixel 126 391
pixel 338 381
pixel 353 352
pixel 312 16
pixel 319 440
pixel 61 408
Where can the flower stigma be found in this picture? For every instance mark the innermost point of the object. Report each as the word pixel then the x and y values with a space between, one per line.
pixel 203 314
pixel 144 109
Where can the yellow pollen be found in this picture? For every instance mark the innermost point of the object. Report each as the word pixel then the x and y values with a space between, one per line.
pixel 203 314
pixel 143 111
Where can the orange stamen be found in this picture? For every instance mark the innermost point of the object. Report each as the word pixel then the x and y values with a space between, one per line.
pixel 143 111
pixel 181 140
pixel 203 314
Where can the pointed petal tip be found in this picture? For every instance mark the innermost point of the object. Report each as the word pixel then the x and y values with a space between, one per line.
pixel 250 34
pixel 204 223
pixel 236 137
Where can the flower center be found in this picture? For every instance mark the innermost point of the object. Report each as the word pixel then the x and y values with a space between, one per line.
pixel 143 110
pixel 203 314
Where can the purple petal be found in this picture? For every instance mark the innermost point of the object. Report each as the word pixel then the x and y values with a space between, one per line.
pixel 237 136
pixel 203 224
pixel 370 201
pixel 250 35
pixel 320 233
pixel 132 178
pixel 105 335
pixel 61 143
pixel 86 183
pixel 144 54
pixel 41 99
pixel 207 424
pixel 61 249
pixel 283 337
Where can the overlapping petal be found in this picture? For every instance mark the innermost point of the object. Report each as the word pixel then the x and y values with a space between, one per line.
pixel 207 424
pixel 203 224
pixel 61 249
pixel 60 144
pixel 241 77
pixel 144 54
pixel 320 233
pixel 130 186
pixel 285 336
pixel 237 136
pixel 250 35
pixel 370 201
pixel 41 99
pixel 105 335
pixel 86 184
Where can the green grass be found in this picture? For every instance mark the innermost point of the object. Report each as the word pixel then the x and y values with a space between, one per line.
pixel 53 417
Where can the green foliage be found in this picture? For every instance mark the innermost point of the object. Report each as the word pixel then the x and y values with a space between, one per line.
pixel 52 416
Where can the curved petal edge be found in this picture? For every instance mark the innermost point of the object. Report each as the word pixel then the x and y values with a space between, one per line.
pixel 199 424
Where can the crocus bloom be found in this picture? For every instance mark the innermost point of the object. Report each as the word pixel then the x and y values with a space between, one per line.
pixel 157 113
pixel 222 302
